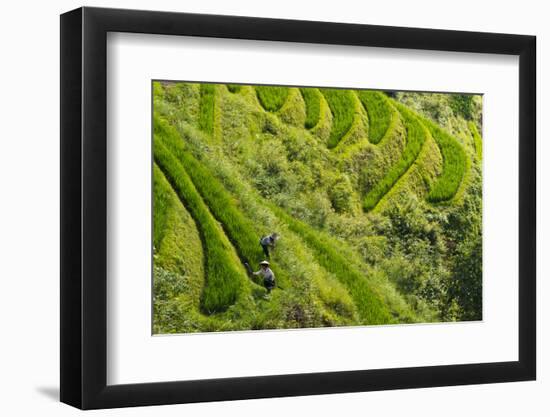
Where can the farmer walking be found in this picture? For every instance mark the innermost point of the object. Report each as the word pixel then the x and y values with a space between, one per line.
pixel 267 242
pixel 267 274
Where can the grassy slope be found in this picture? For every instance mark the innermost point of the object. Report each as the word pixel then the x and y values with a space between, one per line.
pixel 379 113
pixel 416 135
pixel 272 98
pixel 368 296
pixel 478 144
pixel 367 163
pixel 224 278
pixel 312 99
pixel 234 88
pixel 293 110
pixel 178 249
pixel 342 107
pixel 454 165
pixel 320 292
pixel 207 107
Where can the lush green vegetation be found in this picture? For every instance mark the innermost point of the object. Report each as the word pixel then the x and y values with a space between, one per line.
pixel 207 107
pixel 312 164
pixel 271 98
pixel 454 165
pixel 463 105
pixel 478 145
pixel 416 135
pixel 224 280
pixel 312 98
pixel 234 88
pixel 178 262
pixel 342 107
pixel 379 111
pixel 368 303
pixel 239 229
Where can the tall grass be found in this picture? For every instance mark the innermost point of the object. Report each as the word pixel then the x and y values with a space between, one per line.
pixel 271 98
pixel 312 98
pixel 368 303
pixel 207 107
pixel 454 165
pixel 342 107
pixel 379 112
pixel 223 278
pixel 179 247
pixel 416 135
pixel 478 143
pixel 242 233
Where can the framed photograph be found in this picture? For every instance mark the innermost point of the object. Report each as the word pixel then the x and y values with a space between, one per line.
pixel 256 208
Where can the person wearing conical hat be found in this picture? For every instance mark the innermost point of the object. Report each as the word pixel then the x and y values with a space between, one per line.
pixel 267 274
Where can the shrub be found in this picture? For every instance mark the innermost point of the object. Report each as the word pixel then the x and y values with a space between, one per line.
pixel 271 98
pixel 416 135
pixel 463 105
pixel 454 165
pixel 342 107
pixel 223 278
pixel 466 280
pixel 167 285
pixel 379 111
pixel 207 106
pixel 340 194
pixel 312 98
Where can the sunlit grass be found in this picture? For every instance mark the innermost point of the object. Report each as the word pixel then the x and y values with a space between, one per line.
pixel 223 278
pixel 478 143
pixel 342 107
pixel 271 98
pixel 207 106
pixel 454 165
pixel 416 135
pixel 312 98
pixel 379 112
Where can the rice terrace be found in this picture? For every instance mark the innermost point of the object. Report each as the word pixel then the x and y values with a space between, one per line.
pixel 296 207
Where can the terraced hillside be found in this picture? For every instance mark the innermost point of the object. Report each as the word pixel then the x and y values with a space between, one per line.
pixel 376 197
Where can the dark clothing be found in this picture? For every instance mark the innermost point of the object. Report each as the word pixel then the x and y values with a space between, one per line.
pixel 268 276
pixel 266 242
pixel 269 284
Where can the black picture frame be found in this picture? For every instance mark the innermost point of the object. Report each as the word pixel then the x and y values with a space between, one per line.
pixel 84 207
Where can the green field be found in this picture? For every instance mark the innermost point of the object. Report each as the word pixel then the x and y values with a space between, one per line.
pixel 376 197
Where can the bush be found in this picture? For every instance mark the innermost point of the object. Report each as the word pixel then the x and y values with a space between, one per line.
pixel 416 135
pixel 463 105
pixel 466 280
pixel 379 111
pixel 312 98
pixel 340 194
pixel 271 98
pixel 342 107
